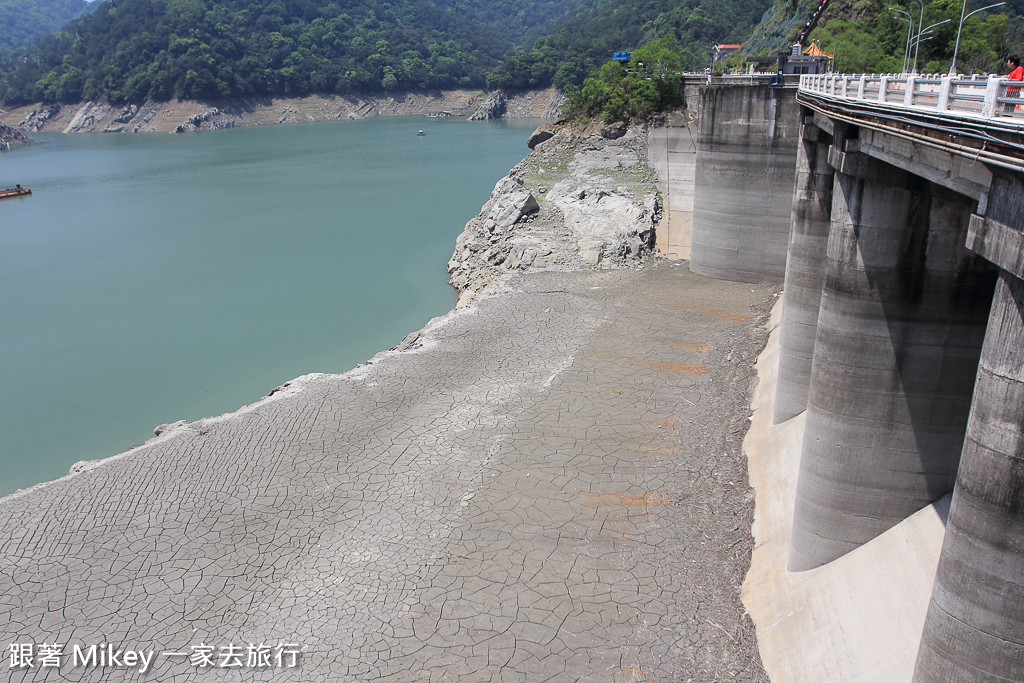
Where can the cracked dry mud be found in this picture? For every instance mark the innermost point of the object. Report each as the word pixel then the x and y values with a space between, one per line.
pixel 547 486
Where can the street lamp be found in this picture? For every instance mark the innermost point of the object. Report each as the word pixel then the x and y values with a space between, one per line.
pixel 917 44
pixel 927 30
pixel 910 29
pixel 952 67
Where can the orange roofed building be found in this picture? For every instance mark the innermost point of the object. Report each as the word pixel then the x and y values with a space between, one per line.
pixel 720 52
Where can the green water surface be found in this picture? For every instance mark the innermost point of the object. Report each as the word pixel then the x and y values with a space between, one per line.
pixel 157 277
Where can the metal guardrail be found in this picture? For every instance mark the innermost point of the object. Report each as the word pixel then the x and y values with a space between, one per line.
pixel 991 97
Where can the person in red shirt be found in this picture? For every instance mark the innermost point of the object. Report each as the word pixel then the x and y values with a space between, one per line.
pixel 1016 74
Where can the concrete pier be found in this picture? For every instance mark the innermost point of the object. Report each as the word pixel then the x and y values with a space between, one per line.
pixel 746 152
pixel 805 270
pixel 975 624
pixel 855 620
pixel 898 338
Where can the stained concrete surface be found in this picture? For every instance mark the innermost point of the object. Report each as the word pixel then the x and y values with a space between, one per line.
pixel 544 486
pixel 672 153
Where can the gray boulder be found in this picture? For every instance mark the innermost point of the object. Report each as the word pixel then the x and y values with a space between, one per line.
pixel 510 205
pixel 614 131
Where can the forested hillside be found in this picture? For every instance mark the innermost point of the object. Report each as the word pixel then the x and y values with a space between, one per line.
pixel 22 21
pixel 584 42
pixel 866 36
pixel 132 50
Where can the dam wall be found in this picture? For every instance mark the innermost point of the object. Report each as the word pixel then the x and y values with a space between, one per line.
pixel 746 153
pixel 902 252
pixel 672 153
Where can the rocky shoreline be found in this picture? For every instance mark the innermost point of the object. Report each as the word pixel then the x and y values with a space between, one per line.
pixel 185 116
pixel 11 136
pixel 585 197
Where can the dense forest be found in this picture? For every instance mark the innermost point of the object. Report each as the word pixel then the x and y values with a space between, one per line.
pixel 132 50
pixel 22 21
pixel 651 83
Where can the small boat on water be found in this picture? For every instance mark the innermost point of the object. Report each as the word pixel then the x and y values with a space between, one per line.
pixel 16 191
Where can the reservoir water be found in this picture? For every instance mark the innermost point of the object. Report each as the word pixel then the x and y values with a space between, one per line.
pixel 152 278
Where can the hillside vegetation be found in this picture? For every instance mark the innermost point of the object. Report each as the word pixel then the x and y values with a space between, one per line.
pixel 586 41
pixel 22 21
pixel 132 50
pixel 866 36
pixel 136 50
pixel 651 83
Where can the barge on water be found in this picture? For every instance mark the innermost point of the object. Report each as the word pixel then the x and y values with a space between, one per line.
pixel 16 191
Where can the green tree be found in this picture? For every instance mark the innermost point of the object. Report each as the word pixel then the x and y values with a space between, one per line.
pixel 651 83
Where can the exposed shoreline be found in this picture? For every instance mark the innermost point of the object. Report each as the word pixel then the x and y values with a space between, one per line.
pixel 183 116
pixel 547 479
pixel 566 160
pixel 584 428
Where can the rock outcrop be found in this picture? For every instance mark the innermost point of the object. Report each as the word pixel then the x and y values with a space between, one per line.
pixel 211 119
pixel 554 108
pixel 12 136
pixel 493 108
pixel 37 118
pixel 579 200
pixel 542 134
pixel 86 118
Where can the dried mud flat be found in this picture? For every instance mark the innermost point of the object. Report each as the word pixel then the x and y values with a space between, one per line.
pixel 547 485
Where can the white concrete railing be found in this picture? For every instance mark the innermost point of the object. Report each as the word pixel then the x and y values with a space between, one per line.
pixel 977 96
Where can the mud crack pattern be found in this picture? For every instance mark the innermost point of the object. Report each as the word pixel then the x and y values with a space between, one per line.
pixel 546 486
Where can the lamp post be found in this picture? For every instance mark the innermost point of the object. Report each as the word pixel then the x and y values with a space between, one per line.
pixel 952 67
pixel 917 43
pixel 927 30
pixel 910 29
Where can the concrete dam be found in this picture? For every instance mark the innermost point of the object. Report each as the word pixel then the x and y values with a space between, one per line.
pixel 893 210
